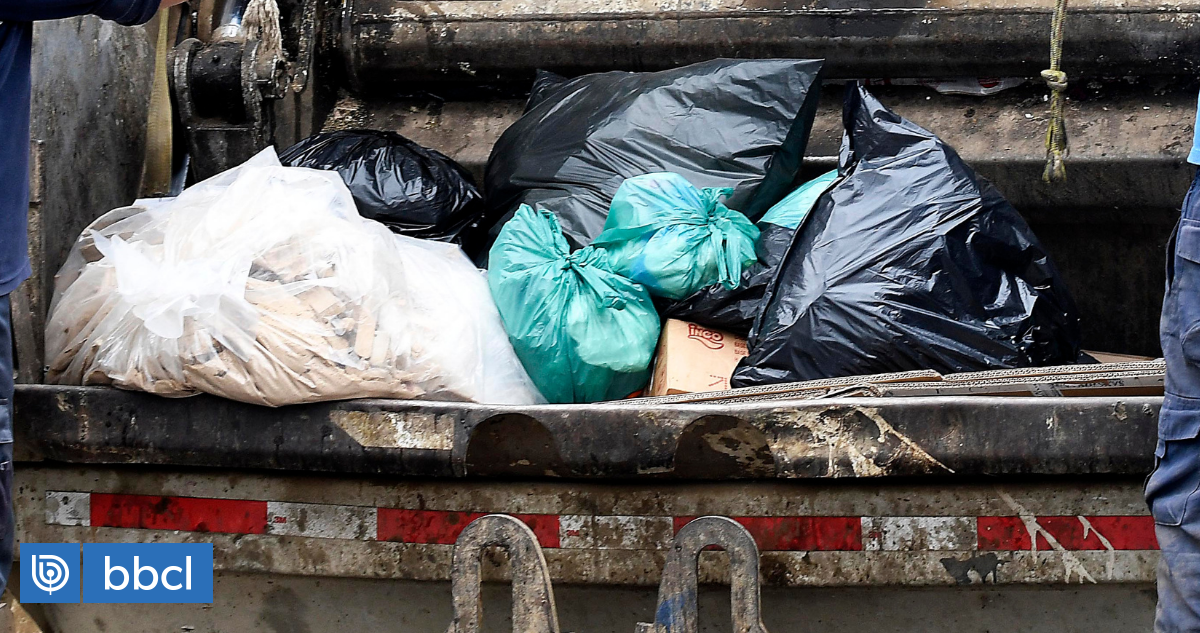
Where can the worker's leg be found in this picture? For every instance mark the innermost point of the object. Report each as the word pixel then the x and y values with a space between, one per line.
pixel 1172 490
pixel 6 469
pixel 1178 581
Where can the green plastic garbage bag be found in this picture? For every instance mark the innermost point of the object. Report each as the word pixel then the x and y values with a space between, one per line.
pixel 735 310
pixel 794 208
pixel 674 237
pixel 583 332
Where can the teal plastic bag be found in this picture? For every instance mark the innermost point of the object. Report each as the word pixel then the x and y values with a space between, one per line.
pixel 583 332
pixel 735 310
pixel 674 237
pixel 793 209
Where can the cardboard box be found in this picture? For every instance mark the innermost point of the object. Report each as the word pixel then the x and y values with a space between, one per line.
pixel 1109 357
pixel 1150 366
pixel 794 390
pixel 692 358
pixel 1099 384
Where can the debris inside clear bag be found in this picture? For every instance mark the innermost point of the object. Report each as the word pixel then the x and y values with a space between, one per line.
pixel 264 285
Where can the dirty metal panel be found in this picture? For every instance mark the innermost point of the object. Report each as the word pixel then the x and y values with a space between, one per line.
pixel 616 532
pixel 855 534
pixel 69 508
pixel 319 520
pixel 853 438
pixel 92 134
pixel 384 429
pixel 390 42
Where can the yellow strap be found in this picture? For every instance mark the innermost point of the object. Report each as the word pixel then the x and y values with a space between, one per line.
pixel 156 170
pixel 1056 80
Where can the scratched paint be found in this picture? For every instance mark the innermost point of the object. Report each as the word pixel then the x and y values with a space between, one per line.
pixel 148 512
pixel 320 520
pixel 1070 533
pixel 615 533
pixel 388 429
pixel 972 569
pixel 858 437
pixel 799 533
pixel 555 501
pixel 1071 563
pixel 69 508
pixel 444 528
pixel 897 534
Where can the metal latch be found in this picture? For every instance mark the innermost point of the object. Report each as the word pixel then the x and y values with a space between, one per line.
pixel 677 608
pixel 533 608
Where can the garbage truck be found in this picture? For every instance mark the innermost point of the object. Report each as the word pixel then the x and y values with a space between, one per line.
pixel 943 513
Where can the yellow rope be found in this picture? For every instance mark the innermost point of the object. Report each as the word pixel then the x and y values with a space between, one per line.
pixel 156 169
pixel 1056 80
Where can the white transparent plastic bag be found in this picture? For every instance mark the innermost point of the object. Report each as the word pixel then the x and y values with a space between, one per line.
pixel 264 285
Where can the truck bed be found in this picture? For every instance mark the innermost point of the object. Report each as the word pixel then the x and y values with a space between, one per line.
pixel 945 438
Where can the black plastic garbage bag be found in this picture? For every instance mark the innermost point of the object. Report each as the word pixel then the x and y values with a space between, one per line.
pixel 911 261
pixel 544 84
pixel 412 189
pixel 734 310
pixel 722 123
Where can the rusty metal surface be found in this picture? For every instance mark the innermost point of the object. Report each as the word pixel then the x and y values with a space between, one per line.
pixel 388 42
pixel 533 607
pixel 903 534
pixel 831 439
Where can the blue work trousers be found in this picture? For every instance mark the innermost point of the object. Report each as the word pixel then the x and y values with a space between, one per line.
pixel 1172 489
pixel 6 466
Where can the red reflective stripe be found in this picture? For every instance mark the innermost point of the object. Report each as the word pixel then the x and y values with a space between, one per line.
pixel 437 527
pixel 187 514
pixel 795 534
pixel 1122 533
pixel 1127 533
pixel 1002 534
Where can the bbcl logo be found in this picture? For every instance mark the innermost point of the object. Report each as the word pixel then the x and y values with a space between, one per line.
pixel 50 573
pixel 119 573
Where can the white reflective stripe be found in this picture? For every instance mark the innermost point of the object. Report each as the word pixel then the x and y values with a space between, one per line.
pixel 321 521
pixel 615 532
pixel 69 508
pixel 897 534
